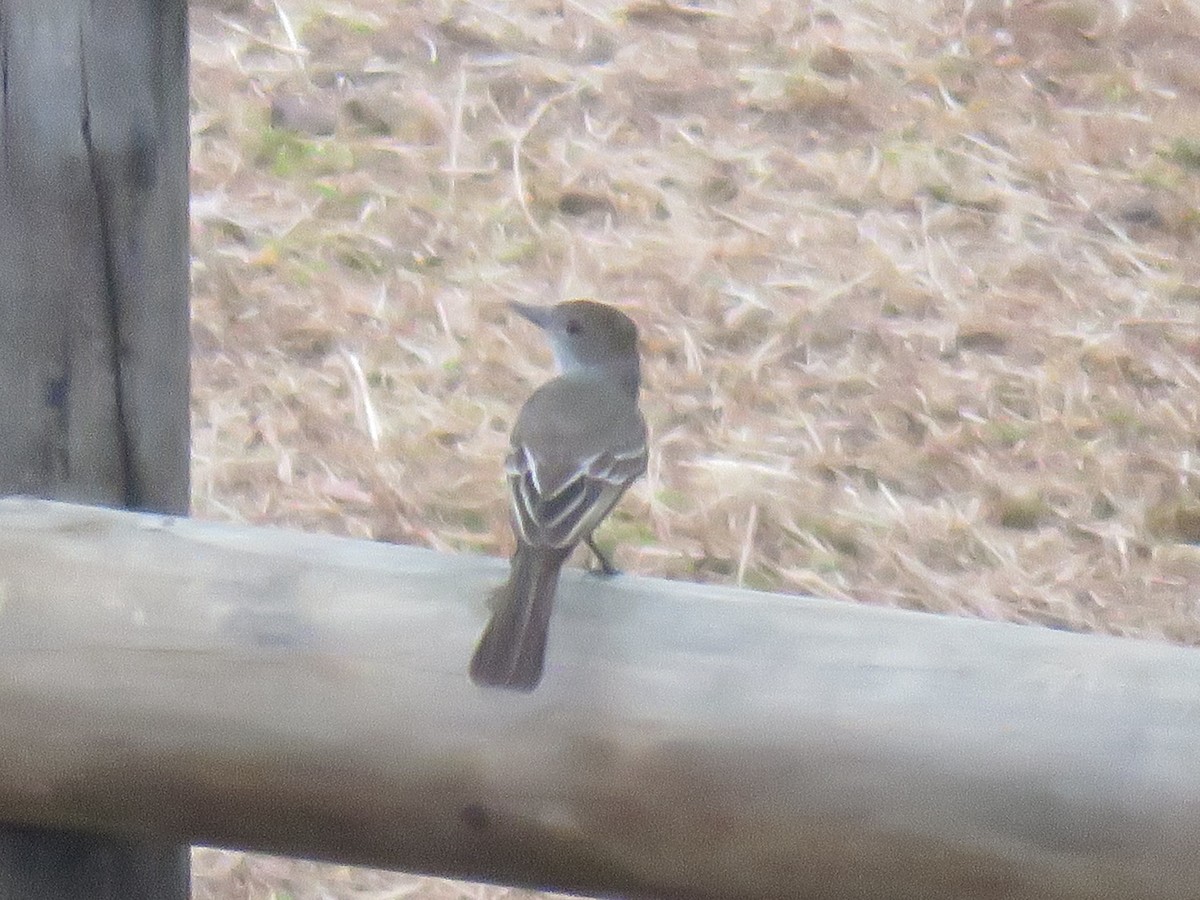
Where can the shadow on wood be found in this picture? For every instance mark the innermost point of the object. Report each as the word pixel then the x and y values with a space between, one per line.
pixel 308 695
pixel 41 862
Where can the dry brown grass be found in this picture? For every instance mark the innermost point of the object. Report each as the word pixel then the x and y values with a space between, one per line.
pixel 918 286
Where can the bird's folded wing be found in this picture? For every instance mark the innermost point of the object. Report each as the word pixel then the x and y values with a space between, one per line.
pixel 562 513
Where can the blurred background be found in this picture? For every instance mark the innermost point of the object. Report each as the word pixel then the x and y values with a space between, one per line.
pixel 917 285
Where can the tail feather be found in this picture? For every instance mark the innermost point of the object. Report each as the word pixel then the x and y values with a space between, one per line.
pixel 513 646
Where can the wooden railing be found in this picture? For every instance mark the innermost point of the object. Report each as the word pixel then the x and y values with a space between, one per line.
pixel 308 695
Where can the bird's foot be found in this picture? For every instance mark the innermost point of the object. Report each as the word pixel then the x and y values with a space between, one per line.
pixel 606 568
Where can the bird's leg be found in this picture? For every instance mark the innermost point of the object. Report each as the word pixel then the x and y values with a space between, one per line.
pixel 606 566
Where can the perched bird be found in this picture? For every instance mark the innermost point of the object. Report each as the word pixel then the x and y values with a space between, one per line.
pixel 579 442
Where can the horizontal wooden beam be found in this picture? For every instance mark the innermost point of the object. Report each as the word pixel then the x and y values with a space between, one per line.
pixel 308 695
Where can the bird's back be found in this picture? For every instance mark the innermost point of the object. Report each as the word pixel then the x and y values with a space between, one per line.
pixel 569 419
pixel 579 442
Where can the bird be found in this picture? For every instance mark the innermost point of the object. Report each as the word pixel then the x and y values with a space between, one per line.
pixel 579 442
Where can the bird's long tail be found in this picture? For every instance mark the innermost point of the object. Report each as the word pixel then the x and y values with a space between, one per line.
pixel 513 646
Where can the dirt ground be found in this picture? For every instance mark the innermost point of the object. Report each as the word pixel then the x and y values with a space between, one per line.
pixel 917 285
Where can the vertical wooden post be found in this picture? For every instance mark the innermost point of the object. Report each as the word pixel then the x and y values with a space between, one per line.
pixel 93 321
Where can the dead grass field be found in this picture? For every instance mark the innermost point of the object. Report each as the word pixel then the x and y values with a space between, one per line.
pixel 918 285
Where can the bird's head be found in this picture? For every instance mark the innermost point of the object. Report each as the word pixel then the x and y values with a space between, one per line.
pixel 585 334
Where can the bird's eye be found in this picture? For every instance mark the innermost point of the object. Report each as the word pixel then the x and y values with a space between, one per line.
pixel 573 326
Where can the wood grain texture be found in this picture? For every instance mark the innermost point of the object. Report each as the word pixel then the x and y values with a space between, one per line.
pixel 308 695
pixel 93 252
pixel 93 321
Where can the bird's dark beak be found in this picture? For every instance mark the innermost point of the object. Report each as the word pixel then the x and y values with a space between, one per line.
pixel 538 315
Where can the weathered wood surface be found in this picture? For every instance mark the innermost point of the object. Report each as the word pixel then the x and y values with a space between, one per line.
pixel 93 320
pixel 308 695
pixel 93 251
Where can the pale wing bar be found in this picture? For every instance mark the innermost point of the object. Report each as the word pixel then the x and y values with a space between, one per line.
pixel 574 508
